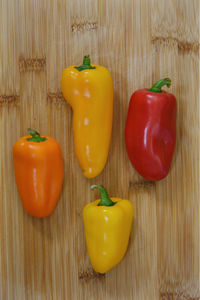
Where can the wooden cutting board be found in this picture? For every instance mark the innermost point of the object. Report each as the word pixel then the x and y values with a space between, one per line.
pixel 139 41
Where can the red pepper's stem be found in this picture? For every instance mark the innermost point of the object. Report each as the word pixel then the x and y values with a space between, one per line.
pixel 86 64
pixel 35 136
pixel 156 88
pixel 105 200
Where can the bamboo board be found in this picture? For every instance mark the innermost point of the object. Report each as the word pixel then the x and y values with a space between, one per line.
pixel 139 41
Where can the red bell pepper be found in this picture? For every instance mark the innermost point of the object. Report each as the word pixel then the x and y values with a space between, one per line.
pixel 150 132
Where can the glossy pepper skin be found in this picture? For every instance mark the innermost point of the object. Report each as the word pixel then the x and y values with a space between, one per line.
pixel 89 91
pixel 107 224
pixel 38 169
pixel 150 132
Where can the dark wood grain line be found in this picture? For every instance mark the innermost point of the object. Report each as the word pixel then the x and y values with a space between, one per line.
pixel 56 98
pixel 32 64
pixel 183 46
pixel 9 99
pixel 90 274
pixel 144 185
pixel 84 26
pixel 176 296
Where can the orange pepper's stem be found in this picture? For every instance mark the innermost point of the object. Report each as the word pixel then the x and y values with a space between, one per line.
pixel 35 136
pixel 105 200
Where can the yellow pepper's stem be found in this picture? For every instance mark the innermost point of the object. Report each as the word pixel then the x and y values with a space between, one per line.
pixel 86 64
pixel 105 200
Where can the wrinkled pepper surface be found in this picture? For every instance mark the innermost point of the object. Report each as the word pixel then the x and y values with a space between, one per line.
pixel 150 132
pixel 89 91
pixel 107 224
pixel 38 169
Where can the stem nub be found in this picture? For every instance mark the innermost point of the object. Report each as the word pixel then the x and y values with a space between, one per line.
pixel 86 64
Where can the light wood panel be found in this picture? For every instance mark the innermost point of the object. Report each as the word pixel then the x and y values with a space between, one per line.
pixel 139 41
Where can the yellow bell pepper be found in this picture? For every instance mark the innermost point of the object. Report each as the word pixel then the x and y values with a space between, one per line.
pixel 89 91
pixel 107 224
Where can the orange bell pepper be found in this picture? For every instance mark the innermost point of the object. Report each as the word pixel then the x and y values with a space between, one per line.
pixel 38 169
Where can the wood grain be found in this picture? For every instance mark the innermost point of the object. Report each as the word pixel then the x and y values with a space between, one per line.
pixel 139 41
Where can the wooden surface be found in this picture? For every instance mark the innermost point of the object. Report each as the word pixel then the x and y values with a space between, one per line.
pixel 140 41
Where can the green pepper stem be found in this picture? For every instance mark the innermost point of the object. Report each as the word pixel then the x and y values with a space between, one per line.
pixel 35 136
pixel 86 64
pixel 156 88
pixel 105 200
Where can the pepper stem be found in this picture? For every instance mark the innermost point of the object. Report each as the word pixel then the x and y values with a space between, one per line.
pixel 105 200
pixel 86 64
pixel 156 88
pixel 35 136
